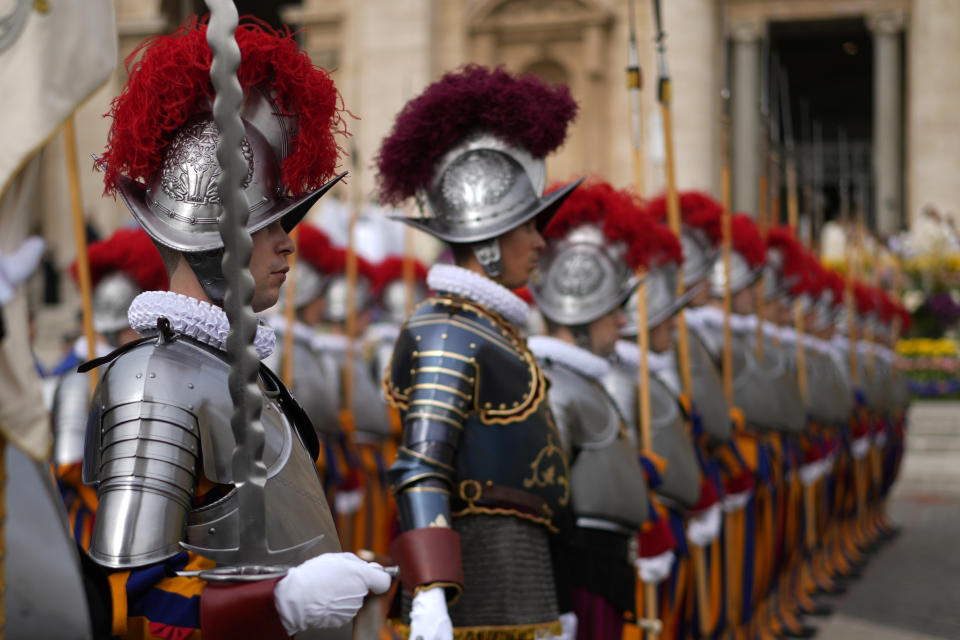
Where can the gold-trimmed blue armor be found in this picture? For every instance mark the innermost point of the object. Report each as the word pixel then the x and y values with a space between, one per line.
pixel 475 415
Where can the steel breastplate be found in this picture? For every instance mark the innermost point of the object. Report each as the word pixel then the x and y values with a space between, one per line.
pixel 672 442
pixel 296 508
pixel 708 395
pixel 369 413
pixel 311 387
pixel 765 391
pixel 607 483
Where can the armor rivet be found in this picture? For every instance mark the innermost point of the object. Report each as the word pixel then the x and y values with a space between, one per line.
pixel 139 375
pixel 473 345
pixel 503 405
pixel 190 406
pixel 417 338
pixel 515 403
pixel 153 374
pixel 487 405
pixel 212 530
pixel 189 385
pixel 443 336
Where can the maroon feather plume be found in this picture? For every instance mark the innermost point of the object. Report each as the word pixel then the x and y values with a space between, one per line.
pixel 520 109
pixel 170 83
pixel 130 251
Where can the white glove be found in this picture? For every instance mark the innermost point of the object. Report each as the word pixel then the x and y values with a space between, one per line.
pixel 733 502
pixel 703 528
pixel 655 569
pixel 347 503
pixel 860 446
pixel 569 622
pixel 17 266
pixel 429 619
pixel 810 473
pixel 326 591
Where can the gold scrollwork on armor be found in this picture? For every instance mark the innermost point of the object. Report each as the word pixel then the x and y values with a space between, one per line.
pixel 545 474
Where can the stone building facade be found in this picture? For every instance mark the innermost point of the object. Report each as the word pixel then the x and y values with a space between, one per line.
pixel 385 51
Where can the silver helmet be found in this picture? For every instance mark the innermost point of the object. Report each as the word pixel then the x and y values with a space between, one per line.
pixel 662 298
pixel 582 277
pixel 699 255
pixel 336 297
pixel 393 300
pixel 742 275
pixel 482 188
pixel 826 311
pixel 180 206
pixel 111 299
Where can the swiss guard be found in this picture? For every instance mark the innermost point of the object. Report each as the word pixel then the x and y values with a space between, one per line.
pixel 160 443
pixel 481 478
pixel 313 385
pixel 594 247
pixel 121 267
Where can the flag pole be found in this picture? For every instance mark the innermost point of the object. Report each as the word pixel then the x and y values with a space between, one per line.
pixel 634 86
pixel 80 239
pixel 664 98
pixel 290 311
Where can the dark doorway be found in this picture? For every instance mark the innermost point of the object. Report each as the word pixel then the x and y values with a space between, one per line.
pixel 829 68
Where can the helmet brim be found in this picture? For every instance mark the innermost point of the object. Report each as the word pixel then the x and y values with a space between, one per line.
pixel 289 210
pixel 543 209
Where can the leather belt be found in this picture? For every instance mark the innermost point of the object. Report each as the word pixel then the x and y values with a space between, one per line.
pixel 490 495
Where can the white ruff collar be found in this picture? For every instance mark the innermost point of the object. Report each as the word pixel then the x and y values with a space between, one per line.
pixel 193 318
pixel 462 282
pixel 629 353
pixel 580 360
pixel 711 318
pixel 301 331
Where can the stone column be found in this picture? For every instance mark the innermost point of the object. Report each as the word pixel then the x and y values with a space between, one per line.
pixel 745 126
pixel 886 28
pixel 933 119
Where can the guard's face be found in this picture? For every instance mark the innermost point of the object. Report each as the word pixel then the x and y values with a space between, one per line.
pixel 268 265
pixel 605 331
pixel 743 302
pixel 520 250
pixel 702 296
pixel 661 335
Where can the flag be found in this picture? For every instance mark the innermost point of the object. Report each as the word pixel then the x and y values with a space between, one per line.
pixel 53 55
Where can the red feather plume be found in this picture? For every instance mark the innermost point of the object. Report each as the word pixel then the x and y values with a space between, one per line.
pixel 524 294
pixel 390 269
pixel 313 247
pixel 697 210
pixel 619 214
pixel 520 109
pixel 746 240
pixel 865 298
pixel 834 281
pixel 130 251
pixel 169 83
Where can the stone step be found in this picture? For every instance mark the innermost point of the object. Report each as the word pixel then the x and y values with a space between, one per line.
pixel 933 442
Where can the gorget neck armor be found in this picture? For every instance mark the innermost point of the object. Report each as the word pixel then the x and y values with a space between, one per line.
pixel 194 318
pixel 462 282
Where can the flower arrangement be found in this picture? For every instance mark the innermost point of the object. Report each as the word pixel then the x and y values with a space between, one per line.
pixel 932 366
